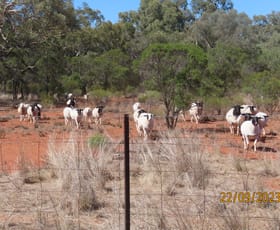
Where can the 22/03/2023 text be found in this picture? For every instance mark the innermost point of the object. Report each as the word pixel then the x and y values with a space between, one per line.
pixel 250 197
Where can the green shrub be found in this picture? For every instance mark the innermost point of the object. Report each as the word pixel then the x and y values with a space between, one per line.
pixel 47 100
pixel 71 84
pixel 100 95
pixel 217 103
pixel 130 91
pixel 97 140
pixel 149 96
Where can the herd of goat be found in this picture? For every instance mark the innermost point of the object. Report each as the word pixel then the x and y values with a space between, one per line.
pixel 72 115
pixel 245 119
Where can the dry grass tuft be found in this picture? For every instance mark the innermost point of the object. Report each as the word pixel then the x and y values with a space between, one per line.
pixel 82 172
pixel 233 220
pixel 239 164
pixel 270 167
pixel 29 173
pixel 187 158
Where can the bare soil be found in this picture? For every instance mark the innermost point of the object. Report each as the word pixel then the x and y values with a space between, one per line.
pixel 21 137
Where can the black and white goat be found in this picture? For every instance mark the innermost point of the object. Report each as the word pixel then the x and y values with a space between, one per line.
pixel 34 112
pixel 97 114
pixel 263 119
pixel 234 116
pixel 93 114
pixel 71 102
pixel 76 116
pixel 251 128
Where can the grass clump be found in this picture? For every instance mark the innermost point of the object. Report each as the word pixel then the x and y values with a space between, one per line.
pixel 82 174
pixel 97 140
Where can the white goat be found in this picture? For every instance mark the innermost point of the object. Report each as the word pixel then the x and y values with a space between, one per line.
pixel 72 116
pixel 234 116
pixel 263 118
pixel 67 115
pixel 181 114
pixel 196 111
pixel 144 121
pixel 87 115
pixel 22 110
pixel 97 114
pixel 136 106
pixel 76 116
pixel 249 109
pixel 86 97
pixel 250 128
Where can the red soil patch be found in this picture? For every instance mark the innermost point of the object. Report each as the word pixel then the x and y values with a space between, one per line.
pixel 272 183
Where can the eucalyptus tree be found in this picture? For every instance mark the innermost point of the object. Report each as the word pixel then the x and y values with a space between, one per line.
pixel 264 84
pixel 33 40
pixel 264 87
pixel 220 26
pixel 17 46
pixel 7 12
pixel 156 21
pixel 166 15
pixel 199 7
pixel 270 53
pixel 7 30
pixel 86 48
pixel 172 69
pixel 109 36
pixel 54 20
pixel 88 17
pixel 110 71
pixel 225 64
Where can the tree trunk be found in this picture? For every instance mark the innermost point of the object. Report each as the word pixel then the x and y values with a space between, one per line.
pixel 171 121
pixel 15 89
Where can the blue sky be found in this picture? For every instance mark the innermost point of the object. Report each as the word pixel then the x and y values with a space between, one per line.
pixel 111 8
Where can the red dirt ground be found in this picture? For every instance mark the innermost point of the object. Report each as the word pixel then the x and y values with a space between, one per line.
pixel 22 138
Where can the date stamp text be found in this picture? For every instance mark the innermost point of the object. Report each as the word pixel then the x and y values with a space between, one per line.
pixel 250 197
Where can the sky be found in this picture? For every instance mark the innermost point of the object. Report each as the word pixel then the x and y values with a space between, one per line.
pixel 110 8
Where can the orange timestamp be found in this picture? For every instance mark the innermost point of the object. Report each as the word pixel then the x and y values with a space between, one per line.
pixel 250 197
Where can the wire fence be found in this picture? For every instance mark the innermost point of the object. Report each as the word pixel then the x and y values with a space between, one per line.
pixel 195 189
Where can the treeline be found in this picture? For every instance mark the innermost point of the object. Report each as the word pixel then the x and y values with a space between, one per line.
pixel 176 50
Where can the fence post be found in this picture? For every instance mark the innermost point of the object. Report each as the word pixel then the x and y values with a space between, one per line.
pixel 126 172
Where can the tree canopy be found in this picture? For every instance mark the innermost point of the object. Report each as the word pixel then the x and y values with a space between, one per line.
pixel 182 49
